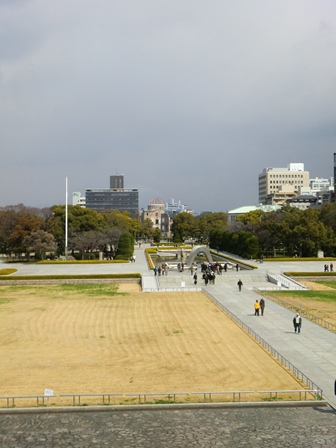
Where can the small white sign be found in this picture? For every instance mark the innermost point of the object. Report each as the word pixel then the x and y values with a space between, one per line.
pixel 182 284
pixel 48 393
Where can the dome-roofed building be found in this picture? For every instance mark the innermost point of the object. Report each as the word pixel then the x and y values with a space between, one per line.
pixel 156 204
pixel 156 213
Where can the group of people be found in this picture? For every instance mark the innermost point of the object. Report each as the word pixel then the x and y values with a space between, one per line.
pixel 259 307
pixel 163 269
pixel 209 277
pixel 326 268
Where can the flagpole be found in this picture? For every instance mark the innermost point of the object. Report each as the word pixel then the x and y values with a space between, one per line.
pixel 66 217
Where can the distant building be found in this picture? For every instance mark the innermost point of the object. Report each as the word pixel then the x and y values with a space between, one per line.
pixel 157 214
pixel 283 194
pixel 117 181
pixel 303 201
pixel 78 199
pixel 233 214
pixel 271 179
pixel 173 208
pixel 319 183
pixel 114 198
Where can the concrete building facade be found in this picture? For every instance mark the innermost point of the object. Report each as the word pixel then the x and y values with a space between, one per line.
pixel 271 179
pixel 113 199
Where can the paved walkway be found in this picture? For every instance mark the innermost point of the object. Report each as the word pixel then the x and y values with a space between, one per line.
pixel 255 427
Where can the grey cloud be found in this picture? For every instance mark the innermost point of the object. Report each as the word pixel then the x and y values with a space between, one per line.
pixel 188 99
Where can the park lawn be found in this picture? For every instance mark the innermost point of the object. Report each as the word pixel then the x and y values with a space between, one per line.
pixel 97 339
pixel 318 301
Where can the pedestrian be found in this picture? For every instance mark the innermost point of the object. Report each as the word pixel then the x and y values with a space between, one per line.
pixel 195 278
pixel 331 267
pixel 262 306
pixel 159 270
pixel 240 284
pixel 237 267
pixel 155 270
pixel 297 322
pixel 256 308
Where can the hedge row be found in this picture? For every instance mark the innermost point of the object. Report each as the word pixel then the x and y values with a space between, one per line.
pixel 310 274
pixel 7 271
pixel 149 258
pixel 70 276
pixel 301 259
pixel 81 261
pixel 234 260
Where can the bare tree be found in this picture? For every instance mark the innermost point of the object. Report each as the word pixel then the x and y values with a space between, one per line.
pixel 39 242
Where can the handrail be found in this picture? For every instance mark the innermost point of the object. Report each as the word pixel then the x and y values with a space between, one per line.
pixel 317 320
pixel 108 395
pixel 167 394
pixel 233 393
pixel 15 397
pixel 171 396
pixel 300 392
pixel 266 345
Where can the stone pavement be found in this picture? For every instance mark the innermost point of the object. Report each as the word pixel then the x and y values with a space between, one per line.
pixel 298 427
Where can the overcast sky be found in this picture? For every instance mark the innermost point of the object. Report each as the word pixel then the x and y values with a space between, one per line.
pixel 187 99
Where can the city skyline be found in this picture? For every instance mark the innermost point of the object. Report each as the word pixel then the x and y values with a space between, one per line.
pixel 190 100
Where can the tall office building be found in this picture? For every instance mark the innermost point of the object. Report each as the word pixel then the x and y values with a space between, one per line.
pixel 272 179
pixel 114 198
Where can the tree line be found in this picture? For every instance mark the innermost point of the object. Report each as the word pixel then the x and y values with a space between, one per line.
pixel 288 231
pixel 24 230
pixel 291 231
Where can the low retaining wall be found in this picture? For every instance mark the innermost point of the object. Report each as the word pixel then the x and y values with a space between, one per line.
pixel 72 281
pixel 314 279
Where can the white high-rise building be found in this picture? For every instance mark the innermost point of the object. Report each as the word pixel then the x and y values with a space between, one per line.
pixel 272 179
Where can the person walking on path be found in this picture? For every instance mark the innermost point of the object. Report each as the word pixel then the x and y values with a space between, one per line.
pixel 240 284
pixel 262 305
pixel 256 308
pixel 297 322
pixel 195 278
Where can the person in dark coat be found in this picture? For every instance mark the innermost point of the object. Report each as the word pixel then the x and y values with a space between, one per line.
pixel 195 278
pixel 262 306
pixel 240 284
pixel 297 322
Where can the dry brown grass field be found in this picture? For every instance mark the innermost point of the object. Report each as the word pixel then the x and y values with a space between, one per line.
pixel 92 339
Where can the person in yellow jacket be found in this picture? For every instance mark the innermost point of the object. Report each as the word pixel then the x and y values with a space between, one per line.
pixel 256 308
